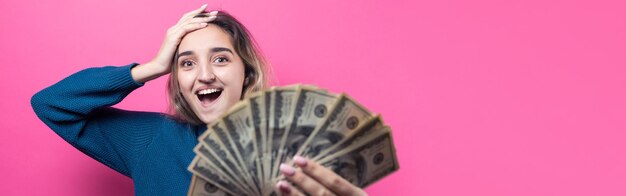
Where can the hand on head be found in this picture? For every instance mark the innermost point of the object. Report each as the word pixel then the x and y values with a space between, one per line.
pixel 162 62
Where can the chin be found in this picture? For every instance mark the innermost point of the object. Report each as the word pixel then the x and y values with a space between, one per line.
pixel 208 119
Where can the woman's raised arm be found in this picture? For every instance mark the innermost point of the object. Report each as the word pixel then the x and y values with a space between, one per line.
pixel 78 108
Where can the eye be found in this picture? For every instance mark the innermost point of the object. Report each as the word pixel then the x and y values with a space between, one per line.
pixel 220 60
pixel 186 63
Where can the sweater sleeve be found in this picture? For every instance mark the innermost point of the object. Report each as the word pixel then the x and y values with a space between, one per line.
pixel 78 109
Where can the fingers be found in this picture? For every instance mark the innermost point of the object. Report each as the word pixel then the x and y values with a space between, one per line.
pixel 176 32
pixel 189 22
pixel 305 182
pixel 192 13
pixel 208 18
pixel 210 14
pixel 192 27
pixel 200 20
pixel 287 190
pixel 326 177
pixel 195 23
pixel 193 20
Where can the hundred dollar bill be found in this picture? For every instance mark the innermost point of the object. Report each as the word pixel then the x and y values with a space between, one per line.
pixel 374 125
pixel 220 165
pixel 241 131
pixel 265 100
pixel 201 168
pixel 216 140
pixel 200 187
pixel 310 107
pixel 243 149
pixel 223 134
pixel 280 112
pixel 366 163
pixel 260 112
pixel 256 111
pixel 345 118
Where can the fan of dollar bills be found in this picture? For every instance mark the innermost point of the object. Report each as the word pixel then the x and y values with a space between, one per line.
pixel 240 153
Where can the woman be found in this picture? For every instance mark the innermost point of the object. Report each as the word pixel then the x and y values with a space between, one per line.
pixel 213 64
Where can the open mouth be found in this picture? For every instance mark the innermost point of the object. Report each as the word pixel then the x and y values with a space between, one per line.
pixel 208 96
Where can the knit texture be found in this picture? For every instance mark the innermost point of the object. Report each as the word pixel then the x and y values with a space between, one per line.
pixel 151 148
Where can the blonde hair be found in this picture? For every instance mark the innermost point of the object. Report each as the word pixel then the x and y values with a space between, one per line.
pixel 257 70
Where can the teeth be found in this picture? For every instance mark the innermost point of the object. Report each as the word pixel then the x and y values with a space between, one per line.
pixel 208 91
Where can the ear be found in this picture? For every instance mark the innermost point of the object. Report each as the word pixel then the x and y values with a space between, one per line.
pixel 246 81
pixel 249 75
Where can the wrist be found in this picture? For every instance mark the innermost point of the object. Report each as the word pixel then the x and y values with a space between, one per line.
pixel 148 71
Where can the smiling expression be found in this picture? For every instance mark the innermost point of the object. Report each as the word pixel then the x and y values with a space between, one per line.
pixel 210 72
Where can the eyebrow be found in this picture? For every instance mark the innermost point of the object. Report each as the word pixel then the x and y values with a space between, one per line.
pixel 213 50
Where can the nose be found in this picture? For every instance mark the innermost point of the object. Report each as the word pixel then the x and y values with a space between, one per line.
pixel 206 74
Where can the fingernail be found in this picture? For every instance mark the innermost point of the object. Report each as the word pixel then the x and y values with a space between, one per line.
pixel 287 170
pixel 214 12
pixel 204 6
pixel 283 187
pixel 300 161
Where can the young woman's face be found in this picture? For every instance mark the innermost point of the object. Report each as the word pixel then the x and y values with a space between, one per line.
pixel 210 73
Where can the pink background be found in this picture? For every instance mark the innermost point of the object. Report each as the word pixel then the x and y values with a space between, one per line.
pixel 485 97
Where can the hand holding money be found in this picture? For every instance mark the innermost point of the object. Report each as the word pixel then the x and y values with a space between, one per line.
pixel 314 179
pixel 259 145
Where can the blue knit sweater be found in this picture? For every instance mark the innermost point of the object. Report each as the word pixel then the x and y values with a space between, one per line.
pixel 151 148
